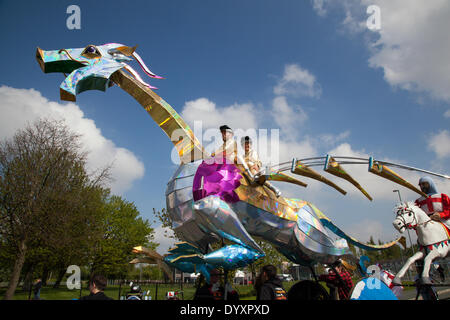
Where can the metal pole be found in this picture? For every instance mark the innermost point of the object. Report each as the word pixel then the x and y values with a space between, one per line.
pixel 399 196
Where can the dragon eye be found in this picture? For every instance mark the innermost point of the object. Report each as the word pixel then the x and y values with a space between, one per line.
pixel 91 51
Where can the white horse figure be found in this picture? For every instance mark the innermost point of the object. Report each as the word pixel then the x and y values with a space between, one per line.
pixel 432 237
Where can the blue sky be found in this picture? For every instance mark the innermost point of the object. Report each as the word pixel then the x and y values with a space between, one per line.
pixel 233 55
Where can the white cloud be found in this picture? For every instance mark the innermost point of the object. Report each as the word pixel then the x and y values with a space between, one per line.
pixel 162 236
pixel 20 106
pixel 205 118
pixel 440 144
pixel 415 60
pixel 288 118
pixel 318 6
pixel 332 139
pixel 297 82
pixel 298 149
pixel 241 116
pixel 412 47
pixel 352 12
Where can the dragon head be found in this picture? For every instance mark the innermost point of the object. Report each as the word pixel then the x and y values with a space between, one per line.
pixel 91 67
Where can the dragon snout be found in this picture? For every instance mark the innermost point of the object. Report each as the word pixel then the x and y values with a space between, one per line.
pixel 58 60
pixel 40 58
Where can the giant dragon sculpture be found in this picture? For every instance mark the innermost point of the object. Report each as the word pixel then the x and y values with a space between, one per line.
pixel 211 201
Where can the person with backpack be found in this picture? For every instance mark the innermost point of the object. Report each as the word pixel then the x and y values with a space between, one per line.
pixel 269 286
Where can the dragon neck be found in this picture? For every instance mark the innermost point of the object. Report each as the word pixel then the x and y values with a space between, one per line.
pixel 188 146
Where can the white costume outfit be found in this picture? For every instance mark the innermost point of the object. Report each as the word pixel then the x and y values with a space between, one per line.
pixel 252 160
pixel 254 164
pixel 228 150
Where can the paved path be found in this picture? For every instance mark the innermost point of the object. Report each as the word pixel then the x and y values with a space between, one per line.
pixel 443 294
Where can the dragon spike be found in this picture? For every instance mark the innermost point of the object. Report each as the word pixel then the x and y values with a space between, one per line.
pixel 301 169
pixel 383 171
pixel 272 175
pixel 334 168
pixel 126 50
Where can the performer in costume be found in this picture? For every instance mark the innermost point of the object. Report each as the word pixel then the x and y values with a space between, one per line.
pixel 229 147
pixel 436 205
pixel 251 158
pixel 228 150
pixel 253 162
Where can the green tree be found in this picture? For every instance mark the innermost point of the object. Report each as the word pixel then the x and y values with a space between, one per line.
pixel 78 233
pixel 42 176
pixel 122 230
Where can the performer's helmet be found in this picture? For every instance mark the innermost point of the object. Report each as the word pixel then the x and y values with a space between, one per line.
pixel 225 128
pixel 246 139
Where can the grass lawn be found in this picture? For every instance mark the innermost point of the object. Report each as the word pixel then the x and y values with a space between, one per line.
pixel 49 293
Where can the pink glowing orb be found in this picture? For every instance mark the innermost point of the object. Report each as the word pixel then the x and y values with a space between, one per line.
pixel 216 177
